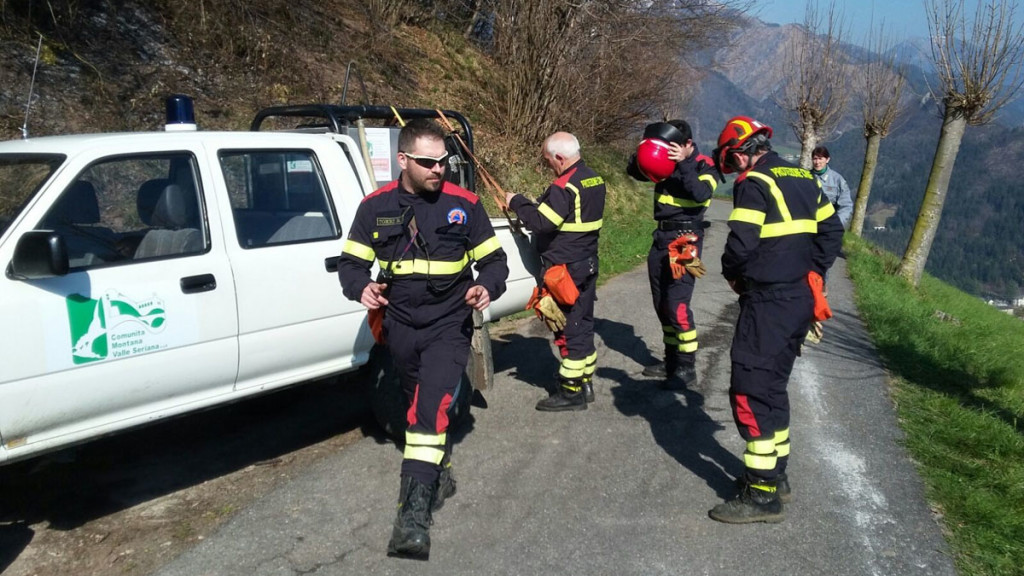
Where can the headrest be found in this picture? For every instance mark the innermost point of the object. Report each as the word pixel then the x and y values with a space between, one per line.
pixel 78 205
pixel 149 194
pixel 175 209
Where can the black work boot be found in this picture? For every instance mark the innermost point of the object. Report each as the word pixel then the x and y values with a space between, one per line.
pixel 781 487
pixel 588 389
pixel 757 502
pixel 570 396
pixel 410 537
pixel 655 370
pixel 445 486
pixel 684 376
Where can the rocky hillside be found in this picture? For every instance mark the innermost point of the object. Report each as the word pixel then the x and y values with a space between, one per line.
pixel 108 65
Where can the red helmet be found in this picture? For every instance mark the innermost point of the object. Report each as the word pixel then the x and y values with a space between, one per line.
pixel 738 136
pixel 652 159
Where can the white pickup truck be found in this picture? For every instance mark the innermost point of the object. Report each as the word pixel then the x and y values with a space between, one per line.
pixel 153 274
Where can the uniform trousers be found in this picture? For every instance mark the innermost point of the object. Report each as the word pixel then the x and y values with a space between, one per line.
pixel 672 298
pixel 576 341
pixel 431 362
pixel 771 327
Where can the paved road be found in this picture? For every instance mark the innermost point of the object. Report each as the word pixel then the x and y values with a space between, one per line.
pixel 624 487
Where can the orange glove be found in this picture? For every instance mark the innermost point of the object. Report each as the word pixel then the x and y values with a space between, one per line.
pixel 821 309
pixel 682 256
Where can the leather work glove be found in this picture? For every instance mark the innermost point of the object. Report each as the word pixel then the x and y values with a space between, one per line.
pixel 696 267
pixel 548 311
pixel 545 307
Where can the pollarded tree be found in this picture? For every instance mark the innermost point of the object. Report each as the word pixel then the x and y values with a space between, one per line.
pixel 979 66
pixel 880 83
pixel 816 92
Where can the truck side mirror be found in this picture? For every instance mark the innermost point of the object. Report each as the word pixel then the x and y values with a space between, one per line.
pixel 39 254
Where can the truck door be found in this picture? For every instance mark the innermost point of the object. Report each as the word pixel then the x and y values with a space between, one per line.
pixel 294 322
pixel 143 324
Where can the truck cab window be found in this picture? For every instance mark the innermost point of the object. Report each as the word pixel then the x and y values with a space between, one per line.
pixel 278 197
pixel 21 176
pixel 128 209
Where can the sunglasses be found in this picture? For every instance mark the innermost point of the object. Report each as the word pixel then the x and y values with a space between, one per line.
pixel 426 161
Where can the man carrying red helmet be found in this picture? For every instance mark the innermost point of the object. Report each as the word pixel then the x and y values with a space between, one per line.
pixel 685 181
pixel 783 231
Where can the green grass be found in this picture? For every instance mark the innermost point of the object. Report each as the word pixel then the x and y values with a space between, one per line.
pixel 958 384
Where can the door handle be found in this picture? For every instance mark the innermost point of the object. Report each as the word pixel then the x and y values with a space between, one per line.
pixel 332 263
pixel 200 283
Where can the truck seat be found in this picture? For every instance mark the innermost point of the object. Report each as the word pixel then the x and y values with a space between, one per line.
pixel 175 219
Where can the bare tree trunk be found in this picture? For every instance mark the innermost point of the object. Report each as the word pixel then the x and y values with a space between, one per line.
pixel 472 19
pixel 912 265
pixel 867 176
pixel 808 142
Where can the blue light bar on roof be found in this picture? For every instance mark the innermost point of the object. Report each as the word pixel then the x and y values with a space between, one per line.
pixel 180 114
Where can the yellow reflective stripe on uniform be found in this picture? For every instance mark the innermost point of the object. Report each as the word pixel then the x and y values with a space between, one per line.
pixel 591 366
pixel 361 251
pixel 572 368
pixel 577 206
pixel 420 266
pixel 825 211
pixel 759 462
pixel 484 248
pixel 776 192
pixel 760 455
pixel 688 341
pixel 423 454
pixel 550 214
pixel 782 442
pixel 581 227
pixel 788 228
pixel 755 217
pixel 591 182
pixel 710 181
pixel 670 200
pixel 426 439
pixel 782 449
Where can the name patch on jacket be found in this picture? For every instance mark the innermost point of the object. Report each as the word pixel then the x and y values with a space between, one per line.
pixel 456 216
pixel 389 220
pixel 591 182
pixel 784 171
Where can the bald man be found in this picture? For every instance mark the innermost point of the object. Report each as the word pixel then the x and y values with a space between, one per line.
pixel 566 220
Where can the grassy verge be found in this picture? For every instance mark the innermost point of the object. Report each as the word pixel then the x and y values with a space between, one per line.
pixel 958 383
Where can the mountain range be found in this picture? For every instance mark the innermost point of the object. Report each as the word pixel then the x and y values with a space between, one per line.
pixel 979 246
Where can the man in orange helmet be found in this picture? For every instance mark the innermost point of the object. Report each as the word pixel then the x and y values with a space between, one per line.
pixel 685 182
pixel 782 229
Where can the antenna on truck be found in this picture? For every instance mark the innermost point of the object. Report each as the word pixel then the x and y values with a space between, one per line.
pixel 31 86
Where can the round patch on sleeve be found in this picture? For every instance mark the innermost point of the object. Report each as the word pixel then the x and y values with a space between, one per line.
pixel 456 216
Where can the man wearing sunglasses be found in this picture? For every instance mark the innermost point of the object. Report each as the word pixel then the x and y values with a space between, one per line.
pixel 425 233
pixel 567 223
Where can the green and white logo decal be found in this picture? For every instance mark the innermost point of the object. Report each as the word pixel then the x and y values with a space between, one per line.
pixel 113 326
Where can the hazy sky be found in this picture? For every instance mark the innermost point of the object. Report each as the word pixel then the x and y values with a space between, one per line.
pixel 903 18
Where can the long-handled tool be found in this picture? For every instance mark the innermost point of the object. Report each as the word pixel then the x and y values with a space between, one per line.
pixel 489 182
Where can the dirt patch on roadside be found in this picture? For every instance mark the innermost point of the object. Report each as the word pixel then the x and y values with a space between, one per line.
pixel 130 503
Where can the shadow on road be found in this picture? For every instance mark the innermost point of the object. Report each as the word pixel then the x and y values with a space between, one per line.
pixel 530 357
pixel 623 339
pixel 69 488
pixel 680 426
pixel 13 539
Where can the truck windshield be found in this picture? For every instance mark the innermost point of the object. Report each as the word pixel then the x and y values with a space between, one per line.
pixel 21 176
